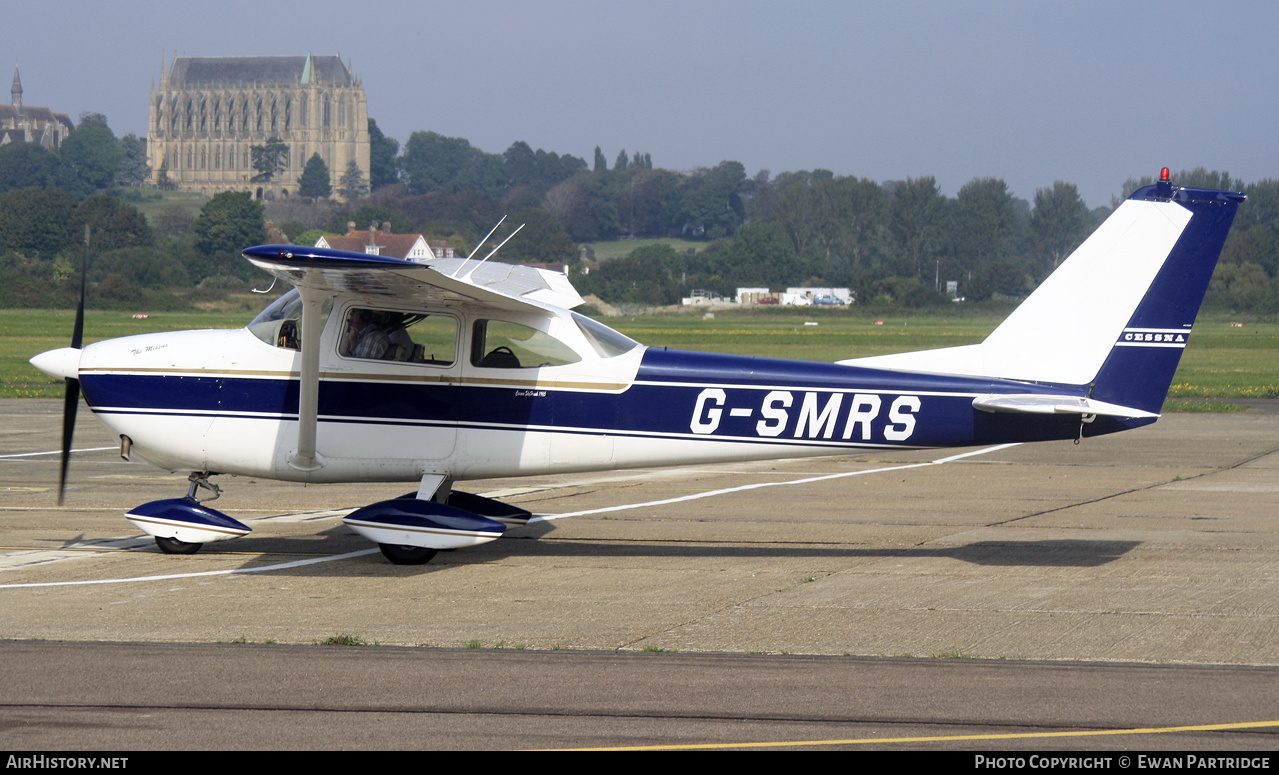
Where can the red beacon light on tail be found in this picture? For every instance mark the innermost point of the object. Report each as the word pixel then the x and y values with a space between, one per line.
pixel 1163 189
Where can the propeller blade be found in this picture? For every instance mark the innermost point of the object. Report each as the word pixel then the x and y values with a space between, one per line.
pixel 71 402
pixel 77 333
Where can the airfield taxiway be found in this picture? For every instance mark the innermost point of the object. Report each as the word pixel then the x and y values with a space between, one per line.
pixel 1156 546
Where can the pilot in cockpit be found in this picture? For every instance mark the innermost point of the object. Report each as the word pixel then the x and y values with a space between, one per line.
pixel 366 335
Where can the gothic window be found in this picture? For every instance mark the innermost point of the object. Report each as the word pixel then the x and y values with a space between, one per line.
pixel 302 109
pixel 326 110
pixel 190 158
pixel 203 158
pixel 342 113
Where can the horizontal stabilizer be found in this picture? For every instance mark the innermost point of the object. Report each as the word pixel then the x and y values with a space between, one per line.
pixel 1041 404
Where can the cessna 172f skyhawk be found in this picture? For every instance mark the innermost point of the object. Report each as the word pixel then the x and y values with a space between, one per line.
pixel 375 369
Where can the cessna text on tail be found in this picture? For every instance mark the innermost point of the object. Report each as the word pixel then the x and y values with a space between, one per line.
pixel 377 369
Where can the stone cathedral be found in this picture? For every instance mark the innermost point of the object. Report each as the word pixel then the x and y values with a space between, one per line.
pixel 208 112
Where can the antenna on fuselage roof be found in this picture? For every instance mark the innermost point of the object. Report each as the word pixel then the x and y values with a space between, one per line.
pixel 494 250
pixel 477 247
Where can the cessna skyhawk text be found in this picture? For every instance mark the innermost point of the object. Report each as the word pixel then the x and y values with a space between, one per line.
pixel 376 369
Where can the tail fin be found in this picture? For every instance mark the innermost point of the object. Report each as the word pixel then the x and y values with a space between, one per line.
pixel 1139 368
pixel 1116 314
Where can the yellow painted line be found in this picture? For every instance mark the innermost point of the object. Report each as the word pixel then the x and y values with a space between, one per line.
pixel 938 739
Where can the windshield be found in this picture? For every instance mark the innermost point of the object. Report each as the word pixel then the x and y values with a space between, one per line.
pixel 607 342
pixel 280 323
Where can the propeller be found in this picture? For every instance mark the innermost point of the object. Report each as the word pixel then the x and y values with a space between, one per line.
pixel 71 402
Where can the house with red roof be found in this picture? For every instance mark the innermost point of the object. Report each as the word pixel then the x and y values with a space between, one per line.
pixel 381 242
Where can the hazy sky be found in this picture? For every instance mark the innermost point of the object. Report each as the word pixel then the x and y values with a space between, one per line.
pixel 1032 92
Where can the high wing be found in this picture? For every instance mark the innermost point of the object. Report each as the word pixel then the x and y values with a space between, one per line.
pixel 505 286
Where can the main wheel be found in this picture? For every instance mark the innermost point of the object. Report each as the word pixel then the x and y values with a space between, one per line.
pixel 174 546
pixel 406 555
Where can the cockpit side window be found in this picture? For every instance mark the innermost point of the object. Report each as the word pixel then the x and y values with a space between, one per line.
pixel 393 335
pixel 500 344
pixel 280 324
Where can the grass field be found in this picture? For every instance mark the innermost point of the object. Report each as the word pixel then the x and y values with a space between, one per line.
pixel 151 202
pixel 1222 360
pixel 617 248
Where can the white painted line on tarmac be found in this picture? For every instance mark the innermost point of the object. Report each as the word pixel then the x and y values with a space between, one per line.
pixel 761 485
pixel 170 576
pixel 55 452
pixel 546 518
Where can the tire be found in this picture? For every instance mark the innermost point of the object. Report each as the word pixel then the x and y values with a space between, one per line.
pixel 406 555
pixel 174 546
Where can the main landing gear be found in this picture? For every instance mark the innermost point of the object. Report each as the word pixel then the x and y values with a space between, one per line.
pixel 408 530
pixel 407 555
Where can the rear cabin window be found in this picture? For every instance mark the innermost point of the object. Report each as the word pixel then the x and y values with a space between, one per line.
pixel 405 337
pixel 499 344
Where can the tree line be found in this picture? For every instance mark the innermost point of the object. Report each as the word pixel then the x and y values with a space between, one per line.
pixel 894 242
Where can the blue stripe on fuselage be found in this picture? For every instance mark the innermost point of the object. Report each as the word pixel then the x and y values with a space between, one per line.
pixel 676 394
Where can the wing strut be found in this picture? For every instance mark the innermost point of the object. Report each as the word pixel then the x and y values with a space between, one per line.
pixel 305 458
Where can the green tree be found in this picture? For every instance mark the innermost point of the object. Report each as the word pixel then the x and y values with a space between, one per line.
pixel 541 241
pixel 1058 224
pixel 24 165
pixel 649 203
pixel 985 226
pixel 916 223
pixel 112 223
pixel 519 165
pixel 37 222
pixel 759 254
pixel 382 153
pixel 642 277
pixel 433 162
pixel 133 170
pixel 144 267
pixel 227 224
pixel 622 161
pixel 268 159
pixel 711 200
pixel 586 204
pixel 353 185
pixel 89 118
pixel 90 155
pixel 315 182
pixel 601 164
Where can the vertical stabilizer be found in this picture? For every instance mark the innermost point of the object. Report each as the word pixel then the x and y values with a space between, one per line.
pixel 1116 314
pixel 1139 367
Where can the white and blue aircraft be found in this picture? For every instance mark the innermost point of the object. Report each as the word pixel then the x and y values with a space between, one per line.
pixel 376 369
